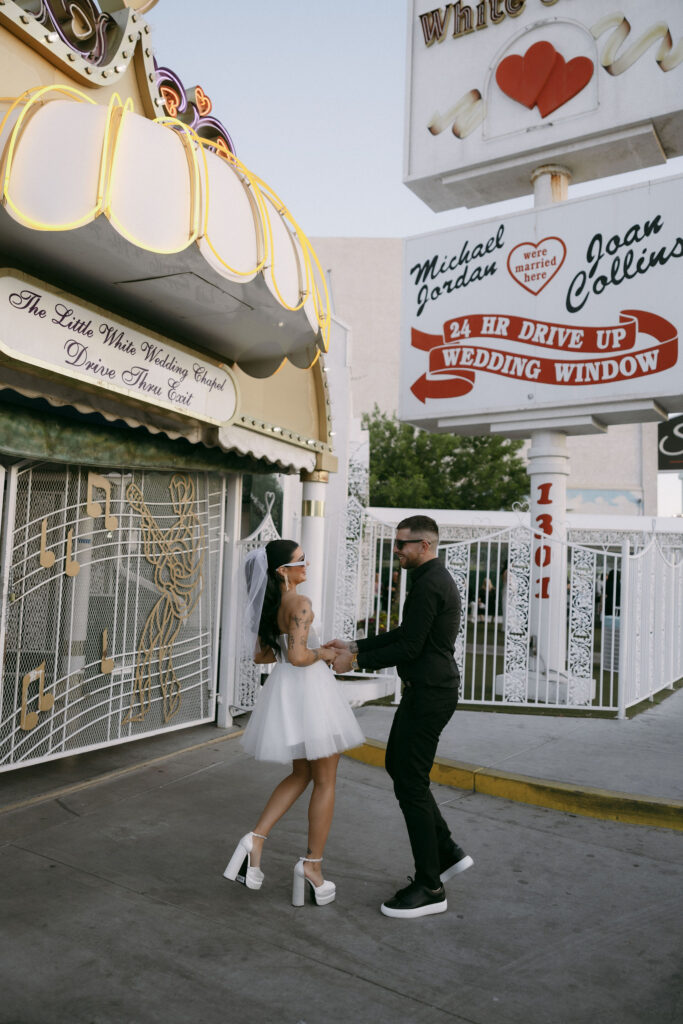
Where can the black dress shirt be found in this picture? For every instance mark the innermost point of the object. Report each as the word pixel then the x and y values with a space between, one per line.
pixel 422 646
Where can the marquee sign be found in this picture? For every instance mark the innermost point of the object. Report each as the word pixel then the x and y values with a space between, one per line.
pixel 500 87
pixel 570 313
pixel 54 332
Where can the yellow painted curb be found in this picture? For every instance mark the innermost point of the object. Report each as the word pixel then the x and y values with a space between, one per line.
pixel 587 801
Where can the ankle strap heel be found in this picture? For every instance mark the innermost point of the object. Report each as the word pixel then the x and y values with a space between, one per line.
pixel 239 867
pixel 324 893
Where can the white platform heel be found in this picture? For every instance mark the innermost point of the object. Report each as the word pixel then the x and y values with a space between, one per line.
pixel 239 869
pixel 322 894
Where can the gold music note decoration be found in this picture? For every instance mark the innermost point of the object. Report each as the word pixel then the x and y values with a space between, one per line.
pixel 106 664
pixel 29 719
pixel 72 567
pixel 93 508
pixel 47 558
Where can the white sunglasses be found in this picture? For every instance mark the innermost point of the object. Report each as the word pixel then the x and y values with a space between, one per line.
pixel 293 565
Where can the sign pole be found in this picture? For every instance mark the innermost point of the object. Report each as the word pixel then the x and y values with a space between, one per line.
pixel 548 469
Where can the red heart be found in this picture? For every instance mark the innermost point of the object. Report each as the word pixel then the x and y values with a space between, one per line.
pixel 523 78
pixel 533 265
pixel 564 82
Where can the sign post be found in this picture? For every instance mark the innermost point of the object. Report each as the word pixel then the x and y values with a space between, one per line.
pixel 555 321
pixel 548 469
pixel 564 320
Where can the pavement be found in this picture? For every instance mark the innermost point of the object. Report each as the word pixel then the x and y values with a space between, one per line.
pixel 113 908
pixel 627 770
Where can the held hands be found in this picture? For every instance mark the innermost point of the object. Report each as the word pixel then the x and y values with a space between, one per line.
pixel 327 654
pixel 342 658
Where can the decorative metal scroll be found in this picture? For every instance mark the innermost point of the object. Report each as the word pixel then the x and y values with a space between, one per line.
pixel 516 656
pixel 581 626
pixel 177 554
pixel 346 580
pixel 108 632
pixel 458 565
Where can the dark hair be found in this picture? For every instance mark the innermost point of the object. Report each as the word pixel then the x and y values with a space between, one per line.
pixel 419 524
pixel 278 552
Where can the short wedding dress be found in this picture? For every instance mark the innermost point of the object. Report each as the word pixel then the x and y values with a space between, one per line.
pixel 300 712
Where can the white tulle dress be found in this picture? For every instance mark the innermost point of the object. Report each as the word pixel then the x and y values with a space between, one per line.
pixel 300 712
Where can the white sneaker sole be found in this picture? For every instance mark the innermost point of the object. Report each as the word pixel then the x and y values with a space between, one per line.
pixel 431 908
pixel 455 869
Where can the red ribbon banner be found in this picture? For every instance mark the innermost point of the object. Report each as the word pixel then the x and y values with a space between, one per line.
pixel 455 358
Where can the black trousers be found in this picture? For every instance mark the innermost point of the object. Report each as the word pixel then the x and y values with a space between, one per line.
pixel 420 719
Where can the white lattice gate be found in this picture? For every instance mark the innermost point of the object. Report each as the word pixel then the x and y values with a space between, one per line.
pixel 622 636
pixel 111 589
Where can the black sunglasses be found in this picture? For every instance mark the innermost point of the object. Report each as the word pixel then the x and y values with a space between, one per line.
pixel 400 544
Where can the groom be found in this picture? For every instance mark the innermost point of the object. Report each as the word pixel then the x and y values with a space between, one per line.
pixel 422 649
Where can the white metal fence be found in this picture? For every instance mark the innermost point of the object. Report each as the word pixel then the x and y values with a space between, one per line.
pixel 651 642
pixel 108 623
pixel 618 641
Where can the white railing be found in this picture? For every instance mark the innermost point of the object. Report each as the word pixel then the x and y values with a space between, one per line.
pixel 619 641
pixel 651 622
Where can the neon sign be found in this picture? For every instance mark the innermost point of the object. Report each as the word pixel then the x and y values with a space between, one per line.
pixel 192 107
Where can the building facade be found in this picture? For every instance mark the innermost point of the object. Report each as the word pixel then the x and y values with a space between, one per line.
pixel 163 330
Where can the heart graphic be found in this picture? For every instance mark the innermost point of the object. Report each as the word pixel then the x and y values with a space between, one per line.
pixel 202 101
pixel 522 78
pixel 566 80
pixel 534 264
pixel 81 25
pixel 171 99
pixel 543 77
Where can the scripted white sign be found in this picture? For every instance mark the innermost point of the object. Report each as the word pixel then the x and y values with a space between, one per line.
pixel 499 87
pixel 55 332
pixel 572 309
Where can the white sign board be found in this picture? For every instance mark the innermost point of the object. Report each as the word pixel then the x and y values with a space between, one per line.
pixel 53 331
pixel 565 317
pixel 500 87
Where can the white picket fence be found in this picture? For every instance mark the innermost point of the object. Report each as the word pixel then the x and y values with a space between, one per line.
pixel 624 611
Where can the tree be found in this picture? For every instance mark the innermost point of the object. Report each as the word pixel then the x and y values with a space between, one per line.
pixel 411 468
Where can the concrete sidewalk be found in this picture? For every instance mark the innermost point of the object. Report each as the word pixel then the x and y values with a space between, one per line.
pixel 629 770
pixel 114 909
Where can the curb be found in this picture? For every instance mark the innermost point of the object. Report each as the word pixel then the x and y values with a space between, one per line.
pixel 590 802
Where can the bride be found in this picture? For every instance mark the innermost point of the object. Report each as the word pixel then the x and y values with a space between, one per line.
pixel 301 715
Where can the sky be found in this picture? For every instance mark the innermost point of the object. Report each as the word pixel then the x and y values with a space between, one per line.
pixel 312 93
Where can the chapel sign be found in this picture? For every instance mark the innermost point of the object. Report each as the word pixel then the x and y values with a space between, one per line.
pixel 53 331
pixel 570 312
pixel 497 88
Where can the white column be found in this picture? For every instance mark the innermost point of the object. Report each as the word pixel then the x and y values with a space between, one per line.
pixel 548 470
pixel 229 591
pixel 551 184
pixel 313 535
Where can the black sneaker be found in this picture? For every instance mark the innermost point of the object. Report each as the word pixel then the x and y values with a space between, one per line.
pixel 461 861
pixel 416 901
